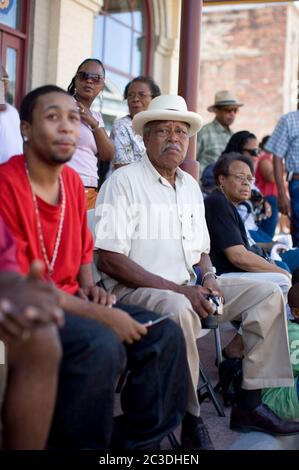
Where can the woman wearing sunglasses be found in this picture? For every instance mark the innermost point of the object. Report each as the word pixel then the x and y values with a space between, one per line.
pixel 244 142
pixel 129 147
pixel 94 142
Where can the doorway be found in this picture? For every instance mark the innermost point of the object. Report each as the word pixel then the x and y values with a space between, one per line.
pixel 14 28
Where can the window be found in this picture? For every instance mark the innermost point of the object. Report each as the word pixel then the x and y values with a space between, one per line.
pixel 10 13
pixel 121 40
pixel 14 24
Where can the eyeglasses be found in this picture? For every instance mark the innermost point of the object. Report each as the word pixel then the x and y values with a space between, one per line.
pixel 252 152
pixel 230 110
pixel 95 77
pixel 165 133
pixel 140 95
pixel 243 178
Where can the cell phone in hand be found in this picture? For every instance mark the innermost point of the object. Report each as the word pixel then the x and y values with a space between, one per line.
pixel 158 320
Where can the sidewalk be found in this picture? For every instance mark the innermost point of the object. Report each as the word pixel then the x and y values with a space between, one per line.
pixel 222 436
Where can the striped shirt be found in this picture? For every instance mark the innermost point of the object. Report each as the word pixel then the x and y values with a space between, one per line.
pixel 284 142
pixel 211 141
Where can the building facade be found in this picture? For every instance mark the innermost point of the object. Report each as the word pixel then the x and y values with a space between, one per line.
pixel 252 51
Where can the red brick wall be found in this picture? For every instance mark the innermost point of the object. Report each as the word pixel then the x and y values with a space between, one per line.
pixel 244 51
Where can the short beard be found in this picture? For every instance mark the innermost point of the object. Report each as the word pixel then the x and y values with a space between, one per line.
pixel 59 159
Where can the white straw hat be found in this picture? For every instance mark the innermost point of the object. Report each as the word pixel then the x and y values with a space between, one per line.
pixel 167 108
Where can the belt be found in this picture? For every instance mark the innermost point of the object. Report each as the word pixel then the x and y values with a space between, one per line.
pixel 295 176
pixel 91 187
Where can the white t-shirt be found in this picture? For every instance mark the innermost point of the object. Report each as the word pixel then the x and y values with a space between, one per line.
pixel 11 142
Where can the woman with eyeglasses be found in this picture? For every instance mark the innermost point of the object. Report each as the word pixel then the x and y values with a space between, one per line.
pixel 231 251
pixel 129 147
pixel 94 143
pixel 261 210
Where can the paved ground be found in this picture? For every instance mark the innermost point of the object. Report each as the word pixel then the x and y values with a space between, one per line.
pixel 223 438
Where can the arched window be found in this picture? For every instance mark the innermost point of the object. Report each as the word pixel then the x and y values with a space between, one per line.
pixel 122 39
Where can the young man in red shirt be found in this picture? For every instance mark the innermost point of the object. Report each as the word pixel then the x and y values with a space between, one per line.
pixel 42 201
pixel 28 315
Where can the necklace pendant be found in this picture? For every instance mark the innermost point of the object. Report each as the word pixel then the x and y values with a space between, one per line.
pixel 49 264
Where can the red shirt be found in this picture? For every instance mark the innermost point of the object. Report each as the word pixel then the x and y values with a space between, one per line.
pixel 8 261
pixel 18 212
pixel 267 188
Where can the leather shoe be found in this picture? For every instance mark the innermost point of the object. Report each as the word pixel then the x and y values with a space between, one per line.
pixel 195 435
pixel 261 419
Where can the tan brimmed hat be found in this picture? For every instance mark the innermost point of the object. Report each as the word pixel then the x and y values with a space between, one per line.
pixel 224 98
pixel 167 108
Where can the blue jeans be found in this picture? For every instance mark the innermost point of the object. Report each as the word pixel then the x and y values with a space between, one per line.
pixel 294 195
pixel 291 258
pixel 153 398
pixel 259 236
pixel 269 225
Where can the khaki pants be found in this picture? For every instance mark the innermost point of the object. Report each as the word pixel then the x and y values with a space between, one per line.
pixel 259 305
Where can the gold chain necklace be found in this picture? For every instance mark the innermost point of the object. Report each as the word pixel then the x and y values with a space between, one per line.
pixel 49 264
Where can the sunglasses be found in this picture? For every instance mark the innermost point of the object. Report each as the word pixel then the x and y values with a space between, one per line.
pixel 230 110
pixel 95 77
pixel 252 152
pixel 243 178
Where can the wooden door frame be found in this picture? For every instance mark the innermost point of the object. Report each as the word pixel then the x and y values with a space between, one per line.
pixel 22 34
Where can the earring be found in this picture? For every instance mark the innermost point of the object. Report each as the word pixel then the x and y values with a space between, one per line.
pixel 25 139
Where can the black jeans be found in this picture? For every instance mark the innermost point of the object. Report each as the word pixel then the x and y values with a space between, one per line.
pixel 153 398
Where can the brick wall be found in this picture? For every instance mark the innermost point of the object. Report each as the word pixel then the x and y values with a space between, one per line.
pixel 244 51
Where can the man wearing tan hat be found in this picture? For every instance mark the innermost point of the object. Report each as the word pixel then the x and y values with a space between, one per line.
pixel 213 137
pixel 151 232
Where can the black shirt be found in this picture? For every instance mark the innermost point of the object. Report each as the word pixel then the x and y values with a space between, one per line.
pixel 226 229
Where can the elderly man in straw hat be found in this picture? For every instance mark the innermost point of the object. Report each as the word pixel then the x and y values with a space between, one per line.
pixel 213 137
pixel 151 232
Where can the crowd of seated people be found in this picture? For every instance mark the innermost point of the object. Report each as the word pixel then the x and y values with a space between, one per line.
pixel 255 210
pixel 43 204
pixel 63 333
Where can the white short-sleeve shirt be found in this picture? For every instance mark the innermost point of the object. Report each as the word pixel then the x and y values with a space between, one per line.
pixel 139 214
pixel 11 142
